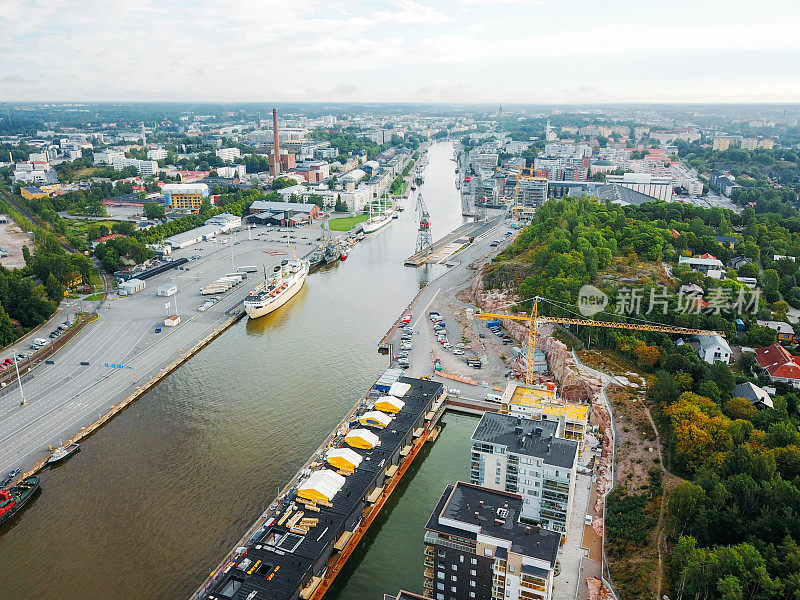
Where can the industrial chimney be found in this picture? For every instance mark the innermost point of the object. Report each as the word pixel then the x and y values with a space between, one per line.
pixel 276 169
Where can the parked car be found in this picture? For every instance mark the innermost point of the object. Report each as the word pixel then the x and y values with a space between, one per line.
pixel 458 352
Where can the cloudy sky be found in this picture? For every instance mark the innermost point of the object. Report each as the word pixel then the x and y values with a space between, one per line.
pixel 529 51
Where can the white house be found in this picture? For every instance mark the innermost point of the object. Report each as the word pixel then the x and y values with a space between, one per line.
pixel 713 348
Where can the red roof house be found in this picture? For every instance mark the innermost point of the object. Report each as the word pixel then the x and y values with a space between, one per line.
pixel 780 365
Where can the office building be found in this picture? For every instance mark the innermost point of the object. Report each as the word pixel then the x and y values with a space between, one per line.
pixel 476 548
pixel 645 183
pixel 526 456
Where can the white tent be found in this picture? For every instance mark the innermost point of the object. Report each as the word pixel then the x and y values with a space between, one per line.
pixel 321 485
pixel 389 404
pixel 398 389
pixel 343 458
pixel 362 438
pixel 375 418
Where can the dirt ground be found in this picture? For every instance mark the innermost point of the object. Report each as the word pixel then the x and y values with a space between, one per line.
pixel 12 238
pixel 638 451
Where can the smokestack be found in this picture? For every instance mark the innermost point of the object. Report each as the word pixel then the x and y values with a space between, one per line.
pixel 276 170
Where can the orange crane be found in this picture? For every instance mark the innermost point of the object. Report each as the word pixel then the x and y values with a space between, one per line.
pixel 534 319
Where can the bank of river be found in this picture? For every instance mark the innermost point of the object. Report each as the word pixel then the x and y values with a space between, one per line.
pixel 156 498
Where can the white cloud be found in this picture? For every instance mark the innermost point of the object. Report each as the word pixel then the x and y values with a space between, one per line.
pixel 397 50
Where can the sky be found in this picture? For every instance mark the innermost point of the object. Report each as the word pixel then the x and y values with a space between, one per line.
pixel 495 51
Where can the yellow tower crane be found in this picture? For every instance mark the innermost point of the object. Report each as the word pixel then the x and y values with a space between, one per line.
pixel 534 319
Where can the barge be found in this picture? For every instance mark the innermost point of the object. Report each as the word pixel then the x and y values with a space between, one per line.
pixel 301 542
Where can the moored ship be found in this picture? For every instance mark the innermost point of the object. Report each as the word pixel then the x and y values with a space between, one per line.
pixel 12 501
pixel 286 280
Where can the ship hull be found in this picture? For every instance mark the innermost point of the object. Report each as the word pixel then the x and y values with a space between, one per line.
pixel 277 302
pixel 373 227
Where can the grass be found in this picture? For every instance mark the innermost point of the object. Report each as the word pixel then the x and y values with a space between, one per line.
pixel 346 223
pixel 94 297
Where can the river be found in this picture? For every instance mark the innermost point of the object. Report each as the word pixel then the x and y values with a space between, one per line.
pixel 157 497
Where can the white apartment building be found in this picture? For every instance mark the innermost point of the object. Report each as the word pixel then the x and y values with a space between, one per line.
pixel 106 157
pixel 157 154
pixel 229 154
pixel 524 456
pixel 145 168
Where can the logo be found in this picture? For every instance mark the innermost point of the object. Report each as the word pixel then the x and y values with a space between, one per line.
pixel 591 300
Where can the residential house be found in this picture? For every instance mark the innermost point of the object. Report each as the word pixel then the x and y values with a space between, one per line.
pixel 785 330
pixel 779 364
pixel 713 349
pixel 757 395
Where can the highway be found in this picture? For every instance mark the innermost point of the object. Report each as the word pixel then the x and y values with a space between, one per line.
pixel 122 348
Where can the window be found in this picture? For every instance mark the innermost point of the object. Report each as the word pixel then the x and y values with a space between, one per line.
pixel 487 552
pixel 440 564
pixel 453 578
pixel 497 480
pixel 510 568
pixel 439 596
pixel 454 589
pixel 440 586
pixel 471 584
pixel 498 470
pixel 473 572
pixel 441 553
pixel 439 575
pixel 454 566
pixel 461 559
pixel 474 561
pixel 472 594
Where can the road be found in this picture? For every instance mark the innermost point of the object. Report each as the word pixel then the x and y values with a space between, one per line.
pixel 123 350
pixel 454 278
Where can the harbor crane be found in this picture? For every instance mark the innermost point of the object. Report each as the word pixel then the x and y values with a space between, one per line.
pixel 535 318
pixel 424 240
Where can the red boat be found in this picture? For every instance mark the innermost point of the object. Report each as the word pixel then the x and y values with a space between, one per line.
pixel 12 501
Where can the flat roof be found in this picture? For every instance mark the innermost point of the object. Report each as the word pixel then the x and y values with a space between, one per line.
pixel 474 505
pixel 291 559
pixel 527 436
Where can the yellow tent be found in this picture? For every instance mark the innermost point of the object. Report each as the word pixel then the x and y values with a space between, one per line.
pixel 389 404
pixel 375 418
pixel 343 458
pixel 321 486
pixel 362 438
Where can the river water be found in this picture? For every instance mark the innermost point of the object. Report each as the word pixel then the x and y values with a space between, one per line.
pixel 156 498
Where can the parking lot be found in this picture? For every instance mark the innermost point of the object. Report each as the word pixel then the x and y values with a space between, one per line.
pixel 121 351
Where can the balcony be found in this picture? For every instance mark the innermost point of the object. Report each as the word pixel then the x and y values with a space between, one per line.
pixel 428 562
pixel 429 573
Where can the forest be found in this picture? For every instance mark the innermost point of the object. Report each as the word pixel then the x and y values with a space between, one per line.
pixel 734 517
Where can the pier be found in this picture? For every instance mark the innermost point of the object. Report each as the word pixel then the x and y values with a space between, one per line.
pixel 448 245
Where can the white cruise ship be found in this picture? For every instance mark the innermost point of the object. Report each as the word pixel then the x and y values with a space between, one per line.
pixel 286 280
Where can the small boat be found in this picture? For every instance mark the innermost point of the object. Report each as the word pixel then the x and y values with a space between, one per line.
pixel 63 452
pixel 395 216
pixel 12 501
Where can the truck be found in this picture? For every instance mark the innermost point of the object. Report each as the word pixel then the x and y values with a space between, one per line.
pixel 437 365
pixel 475 363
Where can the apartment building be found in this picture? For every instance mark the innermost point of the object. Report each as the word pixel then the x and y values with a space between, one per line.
pixel 526 456
pixel 185 195
pixel 476 548
pixel 145 168
pixel 229 154
pixel 157 154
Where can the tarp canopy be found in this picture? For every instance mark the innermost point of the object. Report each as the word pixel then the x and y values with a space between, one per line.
pixel 322 485
pixel 399 389
pixel 343 458
pixel 389 404
pixel 362 438
pixel 375 418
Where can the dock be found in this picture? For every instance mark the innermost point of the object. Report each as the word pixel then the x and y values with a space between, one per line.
pixel 300 543
pixel 454 241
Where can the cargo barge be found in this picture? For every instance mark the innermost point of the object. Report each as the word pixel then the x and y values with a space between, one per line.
pixel 301 542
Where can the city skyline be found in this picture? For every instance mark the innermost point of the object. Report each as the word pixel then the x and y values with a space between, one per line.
pixel 401 51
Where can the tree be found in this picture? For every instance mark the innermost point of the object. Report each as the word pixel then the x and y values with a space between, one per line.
pixel 759 336
pixel 26 254
pixel 739 408
pixel 123 227
pixel 54 290
pixel 7 334
pixel 341 205
pixel 154 210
